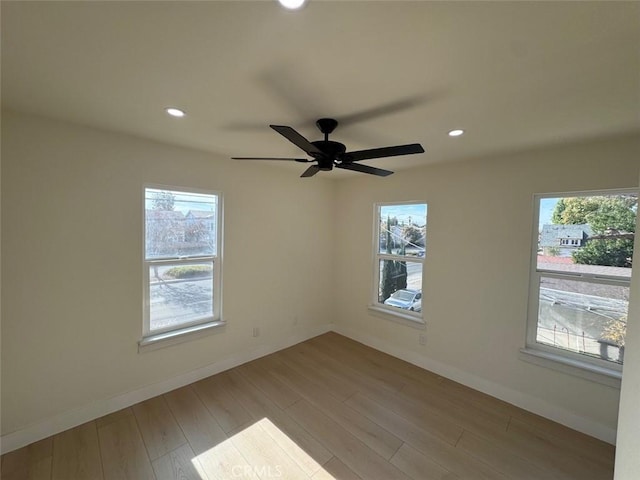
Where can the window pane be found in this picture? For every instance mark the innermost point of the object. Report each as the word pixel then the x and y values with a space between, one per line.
pixel 401 284
pixel 584 317
pixel 402 229
pixel 180 294
pixel 179 224
pixel 587 234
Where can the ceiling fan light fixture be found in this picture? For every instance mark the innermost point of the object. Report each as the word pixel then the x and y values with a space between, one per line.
pixel 292 4
pixel 175 112
pixel 455 133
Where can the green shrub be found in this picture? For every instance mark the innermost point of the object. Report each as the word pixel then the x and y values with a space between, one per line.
pixel 189 271
pixel 610 252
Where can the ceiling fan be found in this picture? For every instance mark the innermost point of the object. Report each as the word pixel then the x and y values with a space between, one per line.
pixel 328 154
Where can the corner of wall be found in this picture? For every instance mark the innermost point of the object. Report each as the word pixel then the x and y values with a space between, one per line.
pixel 73 418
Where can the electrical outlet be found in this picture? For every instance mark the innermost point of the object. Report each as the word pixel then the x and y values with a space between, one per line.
pixel 256 332
pixel 422 339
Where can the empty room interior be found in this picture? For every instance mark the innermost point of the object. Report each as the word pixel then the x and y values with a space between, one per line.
pixel 342 240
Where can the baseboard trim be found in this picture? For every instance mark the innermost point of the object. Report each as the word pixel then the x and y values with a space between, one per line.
pixel 519 399
pixel 71 419
pixel 64 421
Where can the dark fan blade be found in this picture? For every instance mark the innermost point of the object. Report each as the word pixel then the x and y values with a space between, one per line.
pixel 311 171
pixel 302 160
pixel 382 152
pixel 297 139
pixel 358 167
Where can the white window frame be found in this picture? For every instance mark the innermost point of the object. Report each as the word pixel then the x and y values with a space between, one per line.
pixel 567 361
pixel 388 312
pixel 188 330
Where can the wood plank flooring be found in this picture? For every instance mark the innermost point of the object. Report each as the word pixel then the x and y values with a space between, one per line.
pixel 328 408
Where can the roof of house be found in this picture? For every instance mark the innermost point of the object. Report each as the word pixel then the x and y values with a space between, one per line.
pixel 164 214
pixel 200 213
pixel 551 233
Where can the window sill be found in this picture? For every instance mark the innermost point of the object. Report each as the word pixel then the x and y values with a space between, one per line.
pixel 166 339
pixel 397 316
pixel 594 373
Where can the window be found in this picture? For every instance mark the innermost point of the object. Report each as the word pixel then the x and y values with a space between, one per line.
pixel 399 252
pixel 181 261
pixel 580 275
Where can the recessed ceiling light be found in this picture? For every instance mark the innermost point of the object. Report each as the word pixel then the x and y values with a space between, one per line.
pixel 292 4
pixel 175 112
pixel 455 133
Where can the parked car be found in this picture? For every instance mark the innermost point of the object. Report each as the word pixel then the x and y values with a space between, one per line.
pixel 407 299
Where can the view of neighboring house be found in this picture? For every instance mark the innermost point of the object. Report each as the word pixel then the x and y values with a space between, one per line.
pixel 198 222
pixel 170 232
pixel 169 224
pixel 561 240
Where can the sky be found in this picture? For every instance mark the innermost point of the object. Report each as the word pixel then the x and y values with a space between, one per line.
pixel 417 212
pixel 546 210
pixel 185 201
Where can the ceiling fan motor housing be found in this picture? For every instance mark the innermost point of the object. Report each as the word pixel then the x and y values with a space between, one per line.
pixel 331 151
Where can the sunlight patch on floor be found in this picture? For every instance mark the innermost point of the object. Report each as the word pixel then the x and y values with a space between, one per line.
pixel 260 451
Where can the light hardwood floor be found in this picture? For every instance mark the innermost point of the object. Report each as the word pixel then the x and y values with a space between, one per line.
pixel 328 408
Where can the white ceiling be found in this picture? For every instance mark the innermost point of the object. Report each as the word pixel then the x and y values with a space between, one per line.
pixel 514 75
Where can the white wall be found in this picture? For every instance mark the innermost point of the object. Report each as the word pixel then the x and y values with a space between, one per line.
pixel 627 458
pixel 476 273
pixel 72 274
pixel 72 271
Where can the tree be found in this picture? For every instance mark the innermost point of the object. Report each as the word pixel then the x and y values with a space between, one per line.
pixel 401 271
pixel 387 283
pixel 558 211
pixel 163 200
pixel 575 210
pixel 394 273
pixel 394 277
pixel 164 226
pixel 612 219
pixel 617 212
pixel 614 215
pixel 412 235
pixel 614 252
